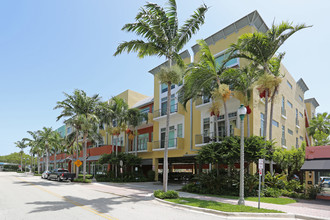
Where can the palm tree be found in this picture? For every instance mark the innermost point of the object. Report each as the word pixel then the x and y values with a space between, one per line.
pixel 260 48
pixel 243 81
pixel 80 110
pixel 163 38
pixel 21 145
pixel 134 117
pixel 105 114
pixel 204 79
pixel 319 123
pixel 45 140
pixel 57 145
pixel 34 143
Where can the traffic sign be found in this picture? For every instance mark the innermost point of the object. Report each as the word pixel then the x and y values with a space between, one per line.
pixel 78 163
pixel 260 172
pixel 261 164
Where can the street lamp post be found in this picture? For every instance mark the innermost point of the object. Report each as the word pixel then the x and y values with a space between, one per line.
pixel 241 112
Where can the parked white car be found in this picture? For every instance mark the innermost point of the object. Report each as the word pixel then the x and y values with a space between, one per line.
pixel 45 174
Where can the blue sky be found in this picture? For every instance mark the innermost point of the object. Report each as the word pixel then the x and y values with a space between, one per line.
pixel 51 47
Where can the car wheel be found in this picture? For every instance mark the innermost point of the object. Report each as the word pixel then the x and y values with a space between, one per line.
pixel 48 177
pixel 59 179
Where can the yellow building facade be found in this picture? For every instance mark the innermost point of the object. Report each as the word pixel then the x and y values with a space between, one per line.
pixel 193 127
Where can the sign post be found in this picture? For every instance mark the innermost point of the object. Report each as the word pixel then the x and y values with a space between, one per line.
pixel 261 167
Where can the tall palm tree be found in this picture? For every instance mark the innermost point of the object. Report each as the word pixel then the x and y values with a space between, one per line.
pixel 79 109
pixel 21 145
pixel 36 149
pixel 260 48
pixel 321 123
pixel 205 79
pixel 45 140
pixel 105 115
pixel 243 81
pixel 163 37
pixel 134 118
pixel 57 145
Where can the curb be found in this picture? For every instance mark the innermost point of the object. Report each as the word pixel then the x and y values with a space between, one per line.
pixel 241 214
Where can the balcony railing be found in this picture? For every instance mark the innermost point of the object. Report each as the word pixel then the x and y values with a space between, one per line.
pixel 283 111
pixel 283 141
pixel 163 111
pixel 172 143
pixel 211 137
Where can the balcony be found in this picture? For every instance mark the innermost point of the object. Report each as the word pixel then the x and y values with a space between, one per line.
pixel 146 120
pixel 175 143
pixel 283 112
pixel 176 108
pixel 205 138
pixel 202 103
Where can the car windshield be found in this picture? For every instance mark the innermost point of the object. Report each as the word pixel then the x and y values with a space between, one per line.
pixel 63 171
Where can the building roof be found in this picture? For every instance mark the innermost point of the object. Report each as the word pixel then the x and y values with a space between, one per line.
pixel 302 85
pixel 313 102
pixel 143 102
pixel 185 54
pixel 318 152
pixel 252 19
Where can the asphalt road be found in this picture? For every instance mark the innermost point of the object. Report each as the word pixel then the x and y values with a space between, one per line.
pixel 29 197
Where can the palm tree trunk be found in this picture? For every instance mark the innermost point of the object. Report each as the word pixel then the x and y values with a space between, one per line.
pixel 55 160
pixel 77 155
pixel 226 119
pixel 135 143
pixel 38 161
pixel 85 156
pixel 271 123
pixel 47 159
pixel 168 112
pixel 21 161
pixel 216 128
pixel 248 125
pixel 265 129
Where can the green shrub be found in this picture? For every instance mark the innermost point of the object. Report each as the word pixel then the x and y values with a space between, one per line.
pixel 20 171
pixel 271 192
pixel 293 185
pixel 312 191
pixel 87 176
pixel 171 194
pixel 37 174
pixel 80 180
pixel 191 187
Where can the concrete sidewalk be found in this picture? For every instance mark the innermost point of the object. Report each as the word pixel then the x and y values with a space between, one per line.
pixel 312 208
pixel 321 209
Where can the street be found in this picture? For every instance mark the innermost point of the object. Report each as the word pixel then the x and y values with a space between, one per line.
pixel 30 197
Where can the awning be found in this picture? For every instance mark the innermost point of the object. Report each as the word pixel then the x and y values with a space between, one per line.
pixel 316 165
pixel 93 158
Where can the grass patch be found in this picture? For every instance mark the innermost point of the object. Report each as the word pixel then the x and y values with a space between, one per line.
pixel 219 206
pixel 80 180
pixel 37 174
pixel 278 201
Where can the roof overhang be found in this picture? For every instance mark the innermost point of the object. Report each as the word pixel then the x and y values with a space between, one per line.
pixel 302 85
pixel 316 165
pixel 313 102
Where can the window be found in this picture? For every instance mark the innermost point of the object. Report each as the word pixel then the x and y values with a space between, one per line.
pixel 206 130
pixel 301 99
pixel 289 84
pixel 222 57
pixel 164 105
pixel 164 87
pixel 171 141
pixel 179 131
pixel 144 112
pixel 275 123
pixel 261 124
pixel 143 141
pixel 283 102
pixel 290 131
pixel 301 115
pixel 290 104
pixel 69 130
pixel 301 138
pixel 283 135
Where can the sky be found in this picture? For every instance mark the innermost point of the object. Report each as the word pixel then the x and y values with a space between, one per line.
pixel 51 47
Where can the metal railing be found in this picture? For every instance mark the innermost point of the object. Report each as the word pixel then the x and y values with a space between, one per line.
pixel 161 112
pixel 211 137
pixel 172 143
pixel 283 111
